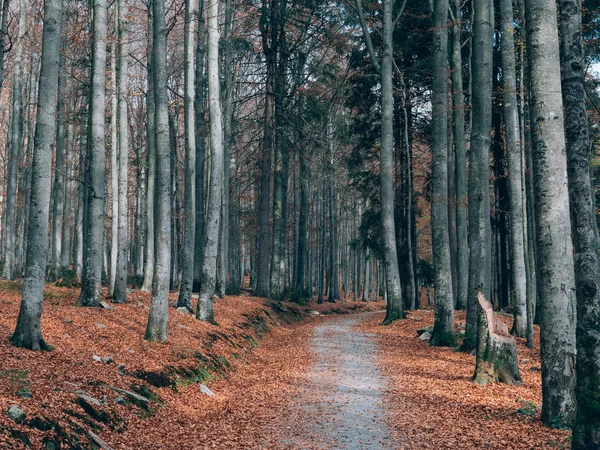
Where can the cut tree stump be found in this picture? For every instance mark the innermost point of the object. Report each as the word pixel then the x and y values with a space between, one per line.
pixel 497 350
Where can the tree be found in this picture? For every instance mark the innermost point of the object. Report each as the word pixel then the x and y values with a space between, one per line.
pixel 28 333
pixel 395 307
pixel 211 241
pixel 8 269
pixel 443 330
pixel 120 293
pixel 157 327
pixel 586 426
pixel 187 280
pixel 480 255
pixel 514 153
pixel 555 249
pixel 94 182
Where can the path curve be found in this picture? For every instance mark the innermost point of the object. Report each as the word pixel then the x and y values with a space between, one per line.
pixel 342 403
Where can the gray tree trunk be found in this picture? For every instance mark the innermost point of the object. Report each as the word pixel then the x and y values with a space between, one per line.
pixel 205 309
pixel 200 109
pixel 586 426
pixel 93 224
pixel 8 270
pixel 120 293
pixel 460 152
pixel 54 272
pixel 480 254
pixel 158 319
pixel 67 238
pixel 187 260
pixel 28 333
pixel 114 163
pixel 443 330
pixel 514 156
pixel 555 249
pixel 151 177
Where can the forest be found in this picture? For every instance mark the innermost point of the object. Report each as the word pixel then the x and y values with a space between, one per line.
pixel 355 224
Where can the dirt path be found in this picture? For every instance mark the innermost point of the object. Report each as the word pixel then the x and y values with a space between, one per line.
pixel 341 406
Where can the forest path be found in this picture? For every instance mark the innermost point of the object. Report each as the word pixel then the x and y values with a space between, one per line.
pixel 342 400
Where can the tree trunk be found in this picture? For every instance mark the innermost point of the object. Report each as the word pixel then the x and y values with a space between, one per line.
pixel 67 239
pixel 120 294
pixel 460 152
pixel 3 33
pixel 480 255
pixel 514 154
pixel 586 427
pixel 443 330
pixel 150 246
pixel 28 333
pixel 187 279
pixel 114 164
pixel 93 224
pixel 211 242
pixel 555 249
pixel 8 270
pixel 157 327
pixel 54 272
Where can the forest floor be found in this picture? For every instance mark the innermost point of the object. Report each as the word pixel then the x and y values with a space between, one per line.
pixel 278 382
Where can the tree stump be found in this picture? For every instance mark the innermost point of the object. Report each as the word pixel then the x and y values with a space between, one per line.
pixel 496 349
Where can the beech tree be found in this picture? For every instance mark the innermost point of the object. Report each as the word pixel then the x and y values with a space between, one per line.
pixel 28 333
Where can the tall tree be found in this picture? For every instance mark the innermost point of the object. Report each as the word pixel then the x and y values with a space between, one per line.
pixel 211 241
pixel 460 162
pixel 555 249
pixel 157 327
pixel 586 427
pixel 28 333
pixel 443 330
pixel 187 279
pixel 480 252
pixel 94 183
pixel 8 270
pixel 515 184
pixel 395 307
pixel 3 35
pixel 120 293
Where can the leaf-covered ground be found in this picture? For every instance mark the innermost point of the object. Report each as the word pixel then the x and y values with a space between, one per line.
pixel 434 404
pixel 258 363
pixel 253 363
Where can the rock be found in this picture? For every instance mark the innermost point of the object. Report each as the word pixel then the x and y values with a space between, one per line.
pixel 183 326
pixel 121 367
pixel 106 305
pixel 120 401
pixel 16 414
pixel 137 399
pixel 416 319
pixel 87 398
pixel 428 329
pixel 68 320
pixel 313 313
pixel 108 360
pixel 100 325
pixel 96 358
pixel 183 310
pixel 99 442
pixel 425 336
pixel 205 390
pixel 25 393
pixel 105 400
pixel 525 360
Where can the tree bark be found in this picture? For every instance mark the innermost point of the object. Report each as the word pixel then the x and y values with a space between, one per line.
pixel 462 244
pixel 8 269
pixel 480 255
pixel 28 333
pixel 443 330
pixel 93 224
pixel 187 279
pixel 120 293
pixel 158 319
pixel 205 309
pixel 586 426
pixel 555 249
